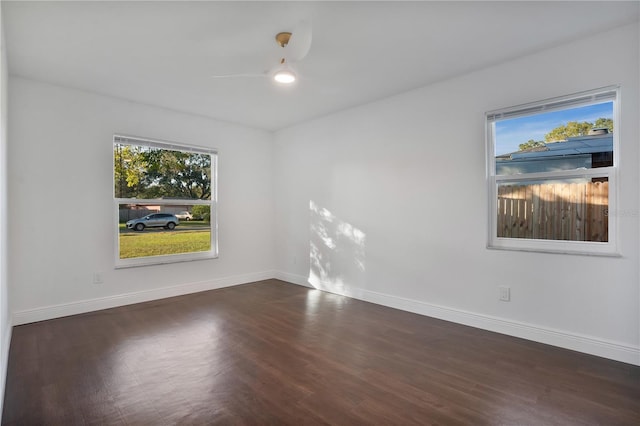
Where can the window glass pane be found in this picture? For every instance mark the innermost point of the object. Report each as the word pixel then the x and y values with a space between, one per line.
pixel 568 139
pixel 145 172
pixel 163 229
pixel 567 209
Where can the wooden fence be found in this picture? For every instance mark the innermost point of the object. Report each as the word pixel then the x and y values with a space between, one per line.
pixel 560 211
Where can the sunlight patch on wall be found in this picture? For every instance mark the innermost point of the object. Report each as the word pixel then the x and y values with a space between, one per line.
pixel 336 251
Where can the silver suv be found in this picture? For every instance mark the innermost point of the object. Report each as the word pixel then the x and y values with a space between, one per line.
pixel 185 215
pixel 155 220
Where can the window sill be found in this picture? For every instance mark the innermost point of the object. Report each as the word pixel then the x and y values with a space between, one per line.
pixel 163 260
pixel 578 248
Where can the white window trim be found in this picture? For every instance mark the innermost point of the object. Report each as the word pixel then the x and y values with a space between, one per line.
pixel 172 258
pixel 609 248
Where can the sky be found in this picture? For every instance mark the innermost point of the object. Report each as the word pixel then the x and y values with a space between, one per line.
pixel 513 132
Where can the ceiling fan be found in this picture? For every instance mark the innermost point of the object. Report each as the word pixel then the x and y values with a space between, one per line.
pixel 293 47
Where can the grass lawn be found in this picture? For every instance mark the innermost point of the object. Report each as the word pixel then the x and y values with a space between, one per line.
pixel 158 243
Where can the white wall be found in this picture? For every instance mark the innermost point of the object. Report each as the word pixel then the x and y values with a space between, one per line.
pixel 387 202
pixel 5 315
pixel 61 202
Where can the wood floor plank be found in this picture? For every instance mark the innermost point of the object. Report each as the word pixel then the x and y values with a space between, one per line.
pixel 276 353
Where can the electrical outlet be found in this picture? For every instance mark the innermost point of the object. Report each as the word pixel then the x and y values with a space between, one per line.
pixel 505 293
pixel 97 278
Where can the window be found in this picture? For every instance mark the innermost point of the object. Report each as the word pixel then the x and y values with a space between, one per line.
pixel 165 202
pixel 551 171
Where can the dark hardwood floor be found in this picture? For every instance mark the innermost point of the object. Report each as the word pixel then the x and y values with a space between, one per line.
pixel 276 353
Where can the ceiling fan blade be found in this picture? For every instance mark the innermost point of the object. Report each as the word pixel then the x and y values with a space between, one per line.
pixel 300 42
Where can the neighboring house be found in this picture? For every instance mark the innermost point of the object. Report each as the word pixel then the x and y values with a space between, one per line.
pixel 595 150
pixel 135 211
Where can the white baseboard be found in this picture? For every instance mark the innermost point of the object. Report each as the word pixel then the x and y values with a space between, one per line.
pixel 587 344
pixel 4 360
pixel 293 279
pixel 581 343
pixel 82 306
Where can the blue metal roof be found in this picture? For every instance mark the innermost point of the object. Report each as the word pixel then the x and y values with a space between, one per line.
pixel 574 146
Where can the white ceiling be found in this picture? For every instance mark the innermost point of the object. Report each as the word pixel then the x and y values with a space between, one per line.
pixel 164 53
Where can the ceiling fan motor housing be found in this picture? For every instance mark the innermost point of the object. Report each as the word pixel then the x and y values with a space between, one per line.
pixel 283 38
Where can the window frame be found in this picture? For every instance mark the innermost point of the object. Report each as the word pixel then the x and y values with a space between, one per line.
pixel 609 248
pixel 212 203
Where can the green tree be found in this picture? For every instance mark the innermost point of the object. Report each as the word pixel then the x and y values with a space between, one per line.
pixel 530 144
pixel 129 170
pixel 144 172
pixel 178 174
pixel 201 212
pixel 572 128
